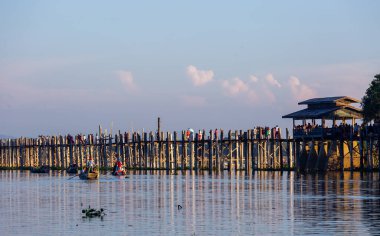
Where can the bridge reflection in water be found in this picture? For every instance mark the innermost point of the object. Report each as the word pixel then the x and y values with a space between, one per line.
pixel 228 203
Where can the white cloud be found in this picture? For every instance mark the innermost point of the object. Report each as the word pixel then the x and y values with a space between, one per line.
pixel 300 91
pixel 235 87
pixel 194 101
pixel 126 79
pixel 272 81
pixel 17 92
pixel 253 78
pixel 252 90
pixel 253 97
pixel 199 77
pixel 329 78
pixel 269 95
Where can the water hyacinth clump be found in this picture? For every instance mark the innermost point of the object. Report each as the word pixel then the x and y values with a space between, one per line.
pixel 91 212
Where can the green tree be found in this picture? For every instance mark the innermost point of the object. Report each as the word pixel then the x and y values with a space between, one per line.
pixel 371 101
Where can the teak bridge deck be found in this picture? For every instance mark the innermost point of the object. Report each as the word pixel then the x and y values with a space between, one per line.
pixel 237 150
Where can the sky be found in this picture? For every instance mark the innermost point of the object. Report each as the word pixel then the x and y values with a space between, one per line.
pixel 70 66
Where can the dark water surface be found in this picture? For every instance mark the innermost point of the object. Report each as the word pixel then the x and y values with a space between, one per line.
pixel 267 203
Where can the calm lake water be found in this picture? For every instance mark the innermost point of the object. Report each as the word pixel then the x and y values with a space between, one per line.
pixel 267 203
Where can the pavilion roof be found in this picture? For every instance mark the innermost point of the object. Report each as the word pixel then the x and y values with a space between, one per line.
pixel 331 100
pixel 328 108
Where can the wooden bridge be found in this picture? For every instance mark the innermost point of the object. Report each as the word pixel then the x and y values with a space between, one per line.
pixel 233 150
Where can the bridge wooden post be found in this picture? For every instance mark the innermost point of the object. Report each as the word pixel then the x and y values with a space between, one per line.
pixel 196 152
pixel 281 156
pixel 175 151
pixel 237 151
pixel 55 151
pixel 222 156
pixel 1 153
pixel 191 144
pixel 133 151
pixel 11 157
pixel 210 152
pixel 230 150
pixel 217 156
pixel 202 164
pixel 159 147
pixel 144 150
pixel 127 149
pixel 3 150
pixel 79 150
pixel 378 147
pixel 167 154
pixel 297 159
pixel 61 152
pixel 288 152
pixel 370 153
pixel 138 152
pixel 39 143
pixel 184 151
pixel 48 148
pixel 21 156
pixel 253 152
pixel 361 144
pixel 151 150
pixel 351 150
pixel 121 148
pixel 246 151
pixel 109 157
pixel 71 157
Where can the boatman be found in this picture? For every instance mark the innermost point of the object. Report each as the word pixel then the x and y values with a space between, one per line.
pixel 118 165
pixel 90 165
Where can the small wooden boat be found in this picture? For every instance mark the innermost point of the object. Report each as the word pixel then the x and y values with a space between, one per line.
pixel 119 173
pixel 40 169
pixel 89 175
pixel 72 169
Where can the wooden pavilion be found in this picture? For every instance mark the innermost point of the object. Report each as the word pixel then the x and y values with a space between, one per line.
pixel 323 109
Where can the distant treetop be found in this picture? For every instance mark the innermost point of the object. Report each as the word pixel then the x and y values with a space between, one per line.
pixel 371 101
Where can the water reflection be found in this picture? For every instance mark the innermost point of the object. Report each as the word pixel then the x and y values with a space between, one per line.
pixel 230 204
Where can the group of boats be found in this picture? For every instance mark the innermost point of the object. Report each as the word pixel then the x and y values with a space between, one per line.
pixel 83 174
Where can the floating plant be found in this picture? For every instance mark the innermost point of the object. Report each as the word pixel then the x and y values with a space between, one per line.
pixel 92 212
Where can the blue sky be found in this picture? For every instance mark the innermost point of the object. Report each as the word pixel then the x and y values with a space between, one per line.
pixel 68 66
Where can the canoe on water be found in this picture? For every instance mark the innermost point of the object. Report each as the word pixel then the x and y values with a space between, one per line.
pixel 119 173
pixel 90 175
pixel 72 169
pixel 40 169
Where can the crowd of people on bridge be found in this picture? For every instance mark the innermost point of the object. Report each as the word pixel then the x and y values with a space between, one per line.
pixel 342 130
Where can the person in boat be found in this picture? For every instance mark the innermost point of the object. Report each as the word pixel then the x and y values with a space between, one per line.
pixel 118 167
pixel 90 165
pixel 73 166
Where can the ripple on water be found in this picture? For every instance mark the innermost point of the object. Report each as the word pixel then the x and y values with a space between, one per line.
pixel 227 204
